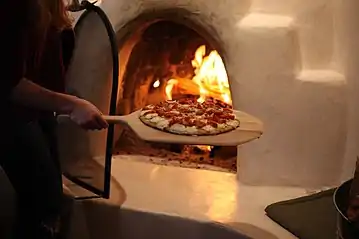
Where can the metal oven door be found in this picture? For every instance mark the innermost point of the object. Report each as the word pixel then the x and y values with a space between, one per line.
pixel 86 156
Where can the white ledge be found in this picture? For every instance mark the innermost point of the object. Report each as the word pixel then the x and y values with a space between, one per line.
pixel 321 76
pixel 200 195
pixel 259 20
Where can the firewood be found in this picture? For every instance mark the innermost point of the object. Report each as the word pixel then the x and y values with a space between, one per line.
pixel 189 87
pixel 186 86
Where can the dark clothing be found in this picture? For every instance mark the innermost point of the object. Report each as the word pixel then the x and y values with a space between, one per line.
pixel 30 150
pixel 34 172
pixel 13 17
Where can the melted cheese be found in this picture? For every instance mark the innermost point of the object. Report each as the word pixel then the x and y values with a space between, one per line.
pixel 191 130
pixel 222 126
pixel 208 128
pixel 163 123
pixel 233 123
pixel 156 119
pixel 150 116
pixel 178 128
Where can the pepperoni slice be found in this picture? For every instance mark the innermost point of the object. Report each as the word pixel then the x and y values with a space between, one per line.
pixel 175 120
pixel 192 122
pixel 209 111
pixel 174 106
pixel 200 123
pixel 229 117
pixel 186 110
pixel 216 119
pixel 190 112
pixel 200 112
pixel 218 113
pixel 168 115
pixel 212 123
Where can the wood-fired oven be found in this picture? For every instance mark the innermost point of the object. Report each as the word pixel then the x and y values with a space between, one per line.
pixel 270 68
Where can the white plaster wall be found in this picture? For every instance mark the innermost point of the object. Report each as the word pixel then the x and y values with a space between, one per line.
pixel 287 65
pixel 301 146
pixel 315 32
pixel 286 7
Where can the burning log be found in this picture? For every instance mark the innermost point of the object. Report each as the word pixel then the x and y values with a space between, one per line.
pixel 189 87
pixel 186 87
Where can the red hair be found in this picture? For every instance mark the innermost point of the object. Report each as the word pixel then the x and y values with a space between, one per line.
pixel 53 13
pixel 43 15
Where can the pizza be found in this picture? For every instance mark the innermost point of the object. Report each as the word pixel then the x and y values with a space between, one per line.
pixel 189 117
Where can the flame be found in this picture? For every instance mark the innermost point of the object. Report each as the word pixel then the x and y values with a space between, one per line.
pixel 156 84
pixel 210 77
pixel 204 147
pixel 169 87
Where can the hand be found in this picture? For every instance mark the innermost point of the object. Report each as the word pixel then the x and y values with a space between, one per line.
pixel 87 116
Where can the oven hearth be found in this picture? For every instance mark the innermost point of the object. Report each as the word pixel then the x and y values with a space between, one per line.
pixel 189 156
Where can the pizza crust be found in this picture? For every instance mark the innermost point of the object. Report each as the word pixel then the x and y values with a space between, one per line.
pixel 153 120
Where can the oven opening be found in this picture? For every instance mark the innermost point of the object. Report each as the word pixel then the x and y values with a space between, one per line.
pixel 165 60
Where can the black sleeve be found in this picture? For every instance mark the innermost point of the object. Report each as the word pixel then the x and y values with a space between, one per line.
pixel 13 24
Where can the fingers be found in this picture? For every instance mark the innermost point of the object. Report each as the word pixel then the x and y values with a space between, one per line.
pixel 101 122
pixel 95 122
pixel 87 116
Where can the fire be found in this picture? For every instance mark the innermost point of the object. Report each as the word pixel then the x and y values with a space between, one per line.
pixel 204 147
pixel 210 77
pixel 156 84
pixel 169 87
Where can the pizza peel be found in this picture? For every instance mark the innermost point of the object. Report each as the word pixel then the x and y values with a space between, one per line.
pixel 250 128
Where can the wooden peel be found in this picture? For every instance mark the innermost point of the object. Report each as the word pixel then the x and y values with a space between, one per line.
pixel 250 128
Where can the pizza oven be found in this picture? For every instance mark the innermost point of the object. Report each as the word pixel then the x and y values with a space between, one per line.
pixel 279 64
pixel 166 60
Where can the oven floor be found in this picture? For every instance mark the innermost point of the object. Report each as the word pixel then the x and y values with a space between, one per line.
pixel 175 162
pixel 130 147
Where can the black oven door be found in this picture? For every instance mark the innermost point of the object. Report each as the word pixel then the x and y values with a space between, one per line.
pixel 93 70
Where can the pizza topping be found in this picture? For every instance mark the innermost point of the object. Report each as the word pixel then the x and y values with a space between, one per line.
pixel 213 123
pixel 175 120
pixel 187 116
pixel 160 112
pixel 199 112
pixel 174 106
pixel 229 117
pixel 200 123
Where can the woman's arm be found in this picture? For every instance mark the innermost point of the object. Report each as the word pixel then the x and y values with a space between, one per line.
pixel 81 111
pixel 32 95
